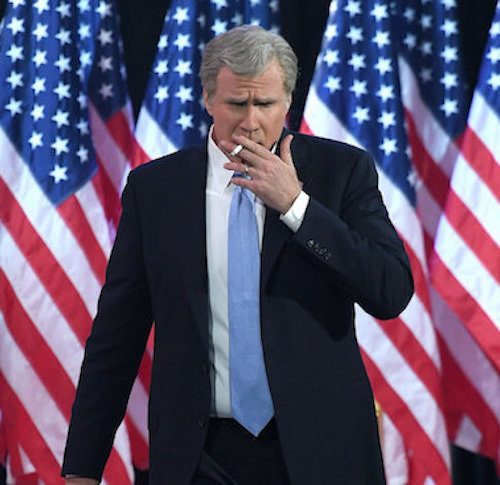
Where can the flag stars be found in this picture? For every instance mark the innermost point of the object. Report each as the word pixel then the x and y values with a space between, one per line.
pixel 495 29
pixel 163 42
pixel 449 4
pixel 63 36
pixel 37 113
pixel 161 68
pixel 62 90
pixel 106 63
pixel 425 74
pixel 104 9
pixel 63 9
pixel 203 129
pixel 15 79
pixel 40 31
pixel 60 145
pixel 105 37
pixel 383 65
pixel 84 31
pixel 59 173
pixel 355 35
pixel 41 5
pixel 85 59
pixel 83 5
pixel 426 48
pixel 353 8
pixel 449 54
pixel 181 15
pixel 61 118
pixel 494 55
pixel 16 25
pixel 332 84
pixel 357 61
pixel 83 127
pixel 426 21
pixel 409 14
pixel 17 3
pixel 183 68
pixel 449 80
pixel 358 88
pixel 38 85
pixel 381 38
pixel 410 41
pixel 237 19
pixel 15 53
pixel 219 27
pixel 385 92
pixel 219 4
pixel 63 63
pixel 331 31
pixel 494 81
pixel 82 154
pixel 40 57
pixel 331 57
pixel 379 12
pixel 161 93
pixel 449 27
pixel 14 107
pixel 449 107
pixel 35 140
pixel 388 146
pixel 184 94
pixel 387 119
pixel 106 90
pixel 185 121
pixel 182 41
pixel 361 114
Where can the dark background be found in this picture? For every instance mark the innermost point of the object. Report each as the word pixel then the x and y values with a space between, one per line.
pixel 303 22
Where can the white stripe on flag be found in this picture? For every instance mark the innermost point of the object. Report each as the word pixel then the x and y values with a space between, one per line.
pixel 151 137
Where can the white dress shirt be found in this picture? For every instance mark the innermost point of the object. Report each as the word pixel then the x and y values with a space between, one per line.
pixel 219 191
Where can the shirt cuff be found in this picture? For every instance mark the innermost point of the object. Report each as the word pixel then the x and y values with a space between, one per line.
pixel 295 215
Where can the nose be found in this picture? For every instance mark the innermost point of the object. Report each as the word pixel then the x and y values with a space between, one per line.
pixel 250 123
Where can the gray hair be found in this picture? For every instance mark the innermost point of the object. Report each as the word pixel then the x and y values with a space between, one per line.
pixel 247 51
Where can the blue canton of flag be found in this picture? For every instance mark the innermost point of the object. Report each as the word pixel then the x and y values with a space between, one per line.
pixel 428 37
pixel 173 100
pixel 357 77
pixel 54 55
pixel 489 77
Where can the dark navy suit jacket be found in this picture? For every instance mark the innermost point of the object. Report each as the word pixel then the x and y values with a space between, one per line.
pixel 346 251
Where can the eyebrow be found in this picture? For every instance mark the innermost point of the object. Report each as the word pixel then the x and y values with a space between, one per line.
pixel 246 100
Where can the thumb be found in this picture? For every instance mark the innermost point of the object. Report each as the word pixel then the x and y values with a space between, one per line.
pixel 285 150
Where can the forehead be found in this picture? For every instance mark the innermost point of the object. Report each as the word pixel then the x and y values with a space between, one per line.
pixel 270 82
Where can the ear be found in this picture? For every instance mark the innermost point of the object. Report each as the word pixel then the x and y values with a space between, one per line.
pixel 207 102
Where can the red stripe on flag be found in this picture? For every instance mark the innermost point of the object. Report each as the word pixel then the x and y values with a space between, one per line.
pixel 74 217
pixel 424 459
pixel 140 451
pixel 27 435
pixel 41 357
pixel 107 194
pixel 54 279
pixel 115 472
pixel 119 129
pixel 463 398
pixel 480 159
pixel 467 308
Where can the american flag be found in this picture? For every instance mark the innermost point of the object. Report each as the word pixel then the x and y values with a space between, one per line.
pixel 172 115
pixel 389 79
pixel 65 145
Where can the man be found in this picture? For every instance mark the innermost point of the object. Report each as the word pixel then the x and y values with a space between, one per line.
pixel 257 376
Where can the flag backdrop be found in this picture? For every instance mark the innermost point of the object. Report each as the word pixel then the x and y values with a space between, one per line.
pixel 172 115
pixel 391 82
pixel 65 138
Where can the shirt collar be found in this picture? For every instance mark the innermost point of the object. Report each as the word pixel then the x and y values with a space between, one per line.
pixel 220 176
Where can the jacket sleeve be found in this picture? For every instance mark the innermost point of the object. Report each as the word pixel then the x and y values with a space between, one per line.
pixel 113 351
pixel 359 247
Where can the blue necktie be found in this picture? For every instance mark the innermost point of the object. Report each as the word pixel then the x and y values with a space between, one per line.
pixel 251 401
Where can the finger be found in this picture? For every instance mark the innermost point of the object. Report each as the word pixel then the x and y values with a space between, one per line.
pixel 285 150
pixel 252 147
pixel 237 167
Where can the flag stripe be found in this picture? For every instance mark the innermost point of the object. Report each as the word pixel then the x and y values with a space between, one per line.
pixel 426 461
pixel 72 214
pixel 63 292
pixel 38 353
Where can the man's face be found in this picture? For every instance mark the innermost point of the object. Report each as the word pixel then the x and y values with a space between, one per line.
pixel 255 107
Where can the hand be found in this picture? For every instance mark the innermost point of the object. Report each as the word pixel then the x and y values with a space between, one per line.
pixel 272 179
pixel 80 481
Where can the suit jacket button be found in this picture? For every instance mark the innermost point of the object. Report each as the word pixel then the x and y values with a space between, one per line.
pixel 310 243
pixel 202 423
